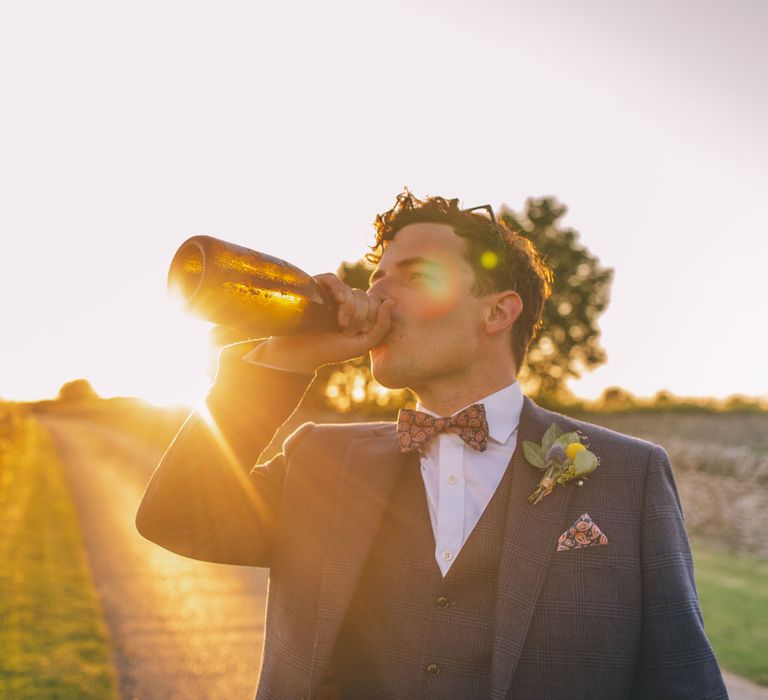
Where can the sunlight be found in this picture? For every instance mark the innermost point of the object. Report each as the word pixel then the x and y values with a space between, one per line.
pixel 186 359
pixel 231 459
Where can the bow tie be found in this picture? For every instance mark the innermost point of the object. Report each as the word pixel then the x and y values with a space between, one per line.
pixel 415 428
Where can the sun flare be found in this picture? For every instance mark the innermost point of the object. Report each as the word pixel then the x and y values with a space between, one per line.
pixel 186 362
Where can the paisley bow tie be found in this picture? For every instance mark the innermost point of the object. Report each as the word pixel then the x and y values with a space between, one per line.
pixel 415 428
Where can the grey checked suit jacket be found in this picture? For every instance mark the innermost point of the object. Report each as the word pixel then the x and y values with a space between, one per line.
pixel 620 620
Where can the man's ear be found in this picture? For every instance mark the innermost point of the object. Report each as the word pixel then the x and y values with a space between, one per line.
pixel 502 311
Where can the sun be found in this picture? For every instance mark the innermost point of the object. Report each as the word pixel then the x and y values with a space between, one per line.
pixel 185 364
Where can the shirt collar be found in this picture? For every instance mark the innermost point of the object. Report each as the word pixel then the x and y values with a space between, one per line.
pixel 502 410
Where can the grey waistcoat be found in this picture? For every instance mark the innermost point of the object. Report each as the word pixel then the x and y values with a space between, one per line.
pixel 410 633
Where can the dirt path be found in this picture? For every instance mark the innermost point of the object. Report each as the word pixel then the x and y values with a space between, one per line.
pixel 742 689
pixel 179 628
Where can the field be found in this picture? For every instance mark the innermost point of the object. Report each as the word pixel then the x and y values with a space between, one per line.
pixel 746 430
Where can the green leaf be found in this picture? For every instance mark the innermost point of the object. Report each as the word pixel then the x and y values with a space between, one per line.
pixel 553 432
pixel 533 453
pixel 585 462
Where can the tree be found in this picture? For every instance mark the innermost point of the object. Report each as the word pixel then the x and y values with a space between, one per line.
pixel 614 398
pixel 568 343
pixel 77 390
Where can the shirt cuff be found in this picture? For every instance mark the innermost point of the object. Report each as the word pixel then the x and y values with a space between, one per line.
pixel 253 357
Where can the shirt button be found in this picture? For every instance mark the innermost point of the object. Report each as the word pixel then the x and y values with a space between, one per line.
pixel 442 602
pixel 452 480
pixel 447 555
pixel 432 669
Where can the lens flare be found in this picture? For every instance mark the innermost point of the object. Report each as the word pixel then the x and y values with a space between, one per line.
pixel 235 467
pixel 489 260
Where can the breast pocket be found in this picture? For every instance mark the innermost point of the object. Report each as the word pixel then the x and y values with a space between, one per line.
pixel 576 563
pixel 587 614
pixel 598 579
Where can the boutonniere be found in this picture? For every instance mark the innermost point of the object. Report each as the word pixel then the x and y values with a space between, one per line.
pixel 561 456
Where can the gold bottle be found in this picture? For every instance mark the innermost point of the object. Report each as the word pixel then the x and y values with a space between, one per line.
pixel 237 287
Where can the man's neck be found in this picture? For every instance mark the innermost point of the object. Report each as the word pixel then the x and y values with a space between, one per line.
pixel 445 398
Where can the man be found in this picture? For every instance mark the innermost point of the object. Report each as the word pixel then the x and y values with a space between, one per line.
pixel 413 564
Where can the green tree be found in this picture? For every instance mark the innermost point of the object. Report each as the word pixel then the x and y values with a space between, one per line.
pixel 568 344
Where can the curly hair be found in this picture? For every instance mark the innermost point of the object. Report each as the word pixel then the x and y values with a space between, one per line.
pixel 500 259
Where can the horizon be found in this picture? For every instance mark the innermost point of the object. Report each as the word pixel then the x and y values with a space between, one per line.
pixel 714 402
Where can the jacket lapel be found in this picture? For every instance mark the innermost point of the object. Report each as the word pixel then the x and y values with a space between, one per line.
pixel 530 539
pixel 371 468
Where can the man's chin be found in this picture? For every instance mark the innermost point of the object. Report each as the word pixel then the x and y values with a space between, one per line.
pixel 385 374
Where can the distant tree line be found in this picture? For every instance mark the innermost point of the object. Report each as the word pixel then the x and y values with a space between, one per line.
pixel 617 400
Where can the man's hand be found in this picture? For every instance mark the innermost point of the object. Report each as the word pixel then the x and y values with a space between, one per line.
pixel 364 320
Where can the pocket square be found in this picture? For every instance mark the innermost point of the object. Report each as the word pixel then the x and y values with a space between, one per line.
pixel 583 533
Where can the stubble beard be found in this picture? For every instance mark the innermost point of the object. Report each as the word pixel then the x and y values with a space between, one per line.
pixel 386 372
pixel 393 368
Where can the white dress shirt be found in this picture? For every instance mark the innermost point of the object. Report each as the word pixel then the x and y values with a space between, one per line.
pixel 460 481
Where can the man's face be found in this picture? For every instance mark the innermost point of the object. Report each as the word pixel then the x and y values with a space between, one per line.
pixel 436 320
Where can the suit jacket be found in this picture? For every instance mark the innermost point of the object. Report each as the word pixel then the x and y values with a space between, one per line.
pixel 620 620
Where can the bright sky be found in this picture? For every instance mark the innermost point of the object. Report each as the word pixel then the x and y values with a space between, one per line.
pixel 127 127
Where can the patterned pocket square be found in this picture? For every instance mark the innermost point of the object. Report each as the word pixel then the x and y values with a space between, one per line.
pixel 583 533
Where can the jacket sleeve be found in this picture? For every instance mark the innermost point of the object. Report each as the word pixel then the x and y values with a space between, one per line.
pixel 676 659
pixel 204 501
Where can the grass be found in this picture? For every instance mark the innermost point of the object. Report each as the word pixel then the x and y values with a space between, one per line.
pixel 53 643
pixel 734 599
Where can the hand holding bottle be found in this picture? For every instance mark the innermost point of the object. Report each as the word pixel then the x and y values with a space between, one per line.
pixel 363 319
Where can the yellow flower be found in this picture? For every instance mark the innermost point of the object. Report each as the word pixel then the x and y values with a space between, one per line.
pixel 573 449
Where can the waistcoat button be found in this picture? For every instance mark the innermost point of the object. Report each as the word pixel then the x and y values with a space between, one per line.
pixel 433 669
pixel 442 602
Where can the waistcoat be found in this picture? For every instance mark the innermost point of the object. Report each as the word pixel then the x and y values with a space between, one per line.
pixel 409 633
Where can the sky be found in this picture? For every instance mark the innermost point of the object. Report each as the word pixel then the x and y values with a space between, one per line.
pixel 125 128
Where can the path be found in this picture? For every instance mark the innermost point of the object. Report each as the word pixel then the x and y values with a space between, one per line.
pixel 180 629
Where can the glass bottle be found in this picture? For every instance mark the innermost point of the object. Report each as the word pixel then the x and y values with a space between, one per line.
pixel 241 288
